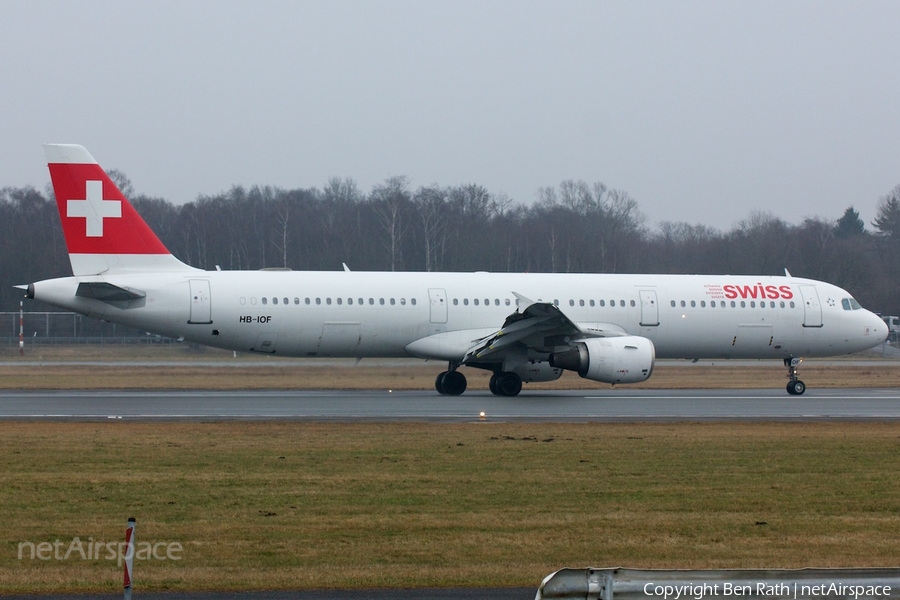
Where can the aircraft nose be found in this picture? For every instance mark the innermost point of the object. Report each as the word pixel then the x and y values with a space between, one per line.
pixel 879 328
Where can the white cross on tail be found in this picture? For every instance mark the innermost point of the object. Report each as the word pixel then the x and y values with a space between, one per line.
pixel 94 209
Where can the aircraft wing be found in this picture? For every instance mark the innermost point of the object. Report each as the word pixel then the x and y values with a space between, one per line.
pixel 541 326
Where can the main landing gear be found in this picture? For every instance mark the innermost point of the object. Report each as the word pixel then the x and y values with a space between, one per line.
pixel 453 383
pixel 505 383
pixel 450 383
pixel 795 387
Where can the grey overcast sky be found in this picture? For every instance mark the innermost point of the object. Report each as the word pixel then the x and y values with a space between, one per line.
pixel 702 111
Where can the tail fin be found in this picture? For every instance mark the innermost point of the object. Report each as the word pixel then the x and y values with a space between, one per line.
pixel 103 231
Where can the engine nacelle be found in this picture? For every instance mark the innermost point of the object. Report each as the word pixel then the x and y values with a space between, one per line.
pixel 533 372
pixel 627 359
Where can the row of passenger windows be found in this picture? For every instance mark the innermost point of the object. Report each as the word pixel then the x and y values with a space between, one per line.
pixel 402 301
pixel 328 301
pixel 487 302
pixel 742 303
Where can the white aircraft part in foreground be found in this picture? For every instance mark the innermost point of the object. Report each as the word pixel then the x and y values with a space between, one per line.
pixel 522 327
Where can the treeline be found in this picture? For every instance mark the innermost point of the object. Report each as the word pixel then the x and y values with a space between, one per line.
pixel 575 227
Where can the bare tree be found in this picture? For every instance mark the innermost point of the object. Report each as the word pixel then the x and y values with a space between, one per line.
pixel 389 202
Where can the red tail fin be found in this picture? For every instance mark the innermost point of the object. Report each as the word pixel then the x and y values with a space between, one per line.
pixel 103 231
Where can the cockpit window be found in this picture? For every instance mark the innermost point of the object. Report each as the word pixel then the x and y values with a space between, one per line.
pixel 850 304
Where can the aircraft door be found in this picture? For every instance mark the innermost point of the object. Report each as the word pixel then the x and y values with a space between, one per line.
pixel 201 309
pixel 438 299
pixel 649 308
pixel 812 310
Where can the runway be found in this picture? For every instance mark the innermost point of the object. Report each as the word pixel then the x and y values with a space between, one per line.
pixel 559 406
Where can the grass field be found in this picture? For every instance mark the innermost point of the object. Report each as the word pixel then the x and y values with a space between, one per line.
pixel 174 366
pixel 298 505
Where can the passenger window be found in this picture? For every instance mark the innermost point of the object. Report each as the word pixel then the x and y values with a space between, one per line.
pixel 555 302
pixel 732 304
pixel 296 301
pixel 496 301
pixel 743 304
pixel 603 303
pixel 318 301
pixel 507 301
pixel 475 301
pixel 487 302
pixel 412 301
pixel 571 302
pixel 673 304
pixel 782 304
pixel 633 304
pixel 253 301
pixel 592 302
pixel 265 300
pixel 703 304
pixel 371 301
pixel 286 301
pixel 753 304
pixel 340 301
pixel 456 302
pixel 792 304
pixel 393 302
pixel 683 304
pixel 381 301
pixel 402 301
pixel 693 304
pixel 328 301
pixel 350 301
pixel 306 300
pixel 465 301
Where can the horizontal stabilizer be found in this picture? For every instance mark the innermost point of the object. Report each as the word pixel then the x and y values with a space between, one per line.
pixel 107 292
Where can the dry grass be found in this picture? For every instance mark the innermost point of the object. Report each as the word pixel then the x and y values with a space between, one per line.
pixel 294 505
pixel 183 367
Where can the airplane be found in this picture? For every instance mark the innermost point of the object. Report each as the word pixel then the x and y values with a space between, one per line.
pixel 524 328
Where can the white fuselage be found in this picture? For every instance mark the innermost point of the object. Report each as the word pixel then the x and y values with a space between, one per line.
pixel 369 314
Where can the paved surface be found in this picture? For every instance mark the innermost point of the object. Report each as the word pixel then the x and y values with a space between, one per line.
pixel 607 405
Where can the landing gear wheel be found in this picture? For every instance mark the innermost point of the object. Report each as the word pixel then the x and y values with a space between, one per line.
pixel 508 384
pixel 493 384
pixel 453 383
pixel 439 382
pixel 796 388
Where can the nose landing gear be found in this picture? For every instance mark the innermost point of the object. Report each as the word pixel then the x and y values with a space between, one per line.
pixel 795 387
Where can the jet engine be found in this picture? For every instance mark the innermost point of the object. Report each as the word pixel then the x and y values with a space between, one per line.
pixel 627 359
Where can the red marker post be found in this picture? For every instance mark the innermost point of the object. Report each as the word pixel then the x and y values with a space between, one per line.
pixel 129 556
